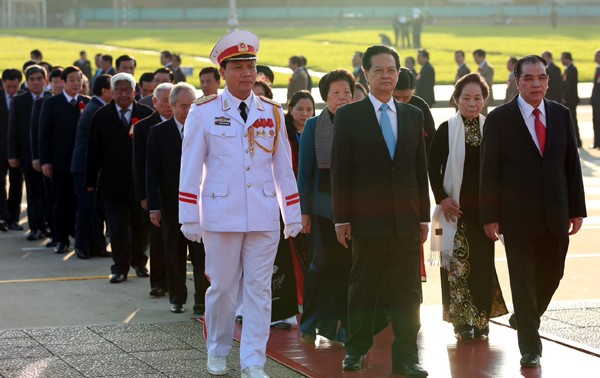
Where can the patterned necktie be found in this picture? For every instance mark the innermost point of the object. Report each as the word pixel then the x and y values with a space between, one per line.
pixel 540 130
pixel 124 118
pixel 386 128
pixel 243 113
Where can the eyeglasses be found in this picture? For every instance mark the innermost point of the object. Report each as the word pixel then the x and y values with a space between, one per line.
pixel 121 90
pixel 529 79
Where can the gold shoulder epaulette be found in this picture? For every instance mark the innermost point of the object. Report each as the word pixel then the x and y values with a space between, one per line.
pixel 205 99
pixel 272 102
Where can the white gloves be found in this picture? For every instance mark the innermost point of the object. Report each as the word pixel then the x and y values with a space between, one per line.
pixel 192 231
pixel 292 230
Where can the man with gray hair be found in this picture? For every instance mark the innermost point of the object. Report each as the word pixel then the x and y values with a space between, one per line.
pixel 109 168
pixel 162 112
pixel 162 187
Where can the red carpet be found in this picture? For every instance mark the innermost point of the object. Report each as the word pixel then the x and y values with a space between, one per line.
pixel 440 354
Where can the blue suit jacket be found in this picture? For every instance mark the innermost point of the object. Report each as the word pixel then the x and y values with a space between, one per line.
pixel 82 136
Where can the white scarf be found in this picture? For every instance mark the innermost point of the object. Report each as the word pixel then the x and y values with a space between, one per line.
pixel 443 231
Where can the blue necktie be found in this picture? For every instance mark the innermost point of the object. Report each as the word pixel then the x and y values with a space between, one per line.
pixel 386 128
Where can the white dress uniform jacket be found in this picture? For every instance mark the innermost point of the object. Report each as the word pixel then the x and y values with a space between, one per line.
pixel 230 182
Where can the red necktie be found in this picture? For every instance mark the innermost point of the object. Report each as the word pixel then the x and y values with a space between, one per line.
pixel 540 130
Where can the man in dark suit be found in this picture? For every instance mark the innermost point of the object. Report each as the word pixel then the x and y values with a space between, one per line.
pixel 210 81
pixel 463 69
pixel 109 168
pixel 359 74
pixel 176 68
pixel 58 125
pixel 595 100
pixel 106 64
pixel 570 94
pixel 127 64
pixel 554 92
pixel 161 75
pixel 487 71
pixel 381 201
pixel 531 193
pixel 10 203
pixel 19 148
pixel 425 78
pixel 57 85
pixel 89 230
pixel 84 65
pixel 162 178
pixel 163 112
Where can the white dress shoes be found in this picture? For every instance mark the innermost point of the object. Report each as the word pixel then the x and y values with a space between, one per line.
pixel 254 371
pixel 217 365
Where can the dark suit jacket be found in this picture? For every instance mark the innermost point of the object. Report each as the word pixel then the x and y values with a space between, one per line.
pixel 82 136
pixel 462 70
pixel 19 142
pixel 523 192
pixel 179 75
pixel 554 92
pixel 595 98
pixel 425 84
pixel 378 195
pixel 140 139
pixel 162 170
pixel 428 122
pixel 58 124
pixel 109 162
pixel 360 77
pixel 85 67
pixel 3 126
pixel 34 128
pixel 570 95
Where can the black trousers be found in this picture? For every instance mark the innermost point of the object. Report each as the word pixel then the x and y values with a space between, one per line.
pixel 387 269
pixel 573 108
pixel 535 266
pixel 64 206
pixel 128 237
pixel 158 268
pixel 596 121
pixel 35 196
pixel 176 250
pixel 10 203
pixel 89 220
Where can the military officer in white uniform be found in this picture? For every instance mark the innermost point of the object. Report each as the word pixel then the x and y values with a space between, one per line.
pixel 236 176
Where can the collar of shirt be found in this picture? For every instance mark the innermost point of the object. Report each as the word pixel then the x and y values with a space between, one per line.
pixel 162 119
pixel 234 102
pixel 527 109
pixel 179 126
pixel 7 99
pixel 377 104
pixel 100 99
pixel 128 114
pixel 483 64
pixel 69 97
pixel 33 95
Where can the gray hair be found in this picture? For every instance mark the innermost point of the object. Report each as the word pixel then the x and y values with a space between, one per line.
pixel 178 88
pixel 123 76
pixel 162 87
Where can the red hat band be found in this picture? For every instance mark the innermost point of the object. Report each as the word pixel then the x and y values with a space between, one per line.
pixel 240 49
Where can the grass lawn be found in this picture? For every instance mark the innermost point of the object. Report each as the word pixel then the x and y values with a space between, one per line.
pixel 325 48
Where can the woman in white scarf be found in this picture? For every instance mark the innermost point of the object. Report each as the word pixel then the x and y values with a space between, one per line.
pixel 470 291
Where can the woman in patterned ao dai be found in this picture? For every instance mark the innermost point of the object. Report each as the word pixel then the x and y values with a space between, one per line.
pixel 471 294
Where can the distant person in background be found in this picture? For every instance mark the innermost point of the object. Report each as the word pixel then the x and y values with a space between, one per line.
pixel 309 83
pixel 166 58
pixel 98 64
pixel 555 78
pixel 85 86
pixel 570 94
pixel 299 79
pixel 265 71
pixel 405 32
pixel 410 63
pixel 487 72
pixel 106 64
pixel 210 81
pixel 128 64
pixel 417 26
pixel 553 17
pixel 396 27
pixel 161 75
pixel 595 100
pixel 463 69
pixel 36 56
pixel 425 78
pixel 511 87
pixel 359 92
pixel 10 203
pixel 359 74
pixel 176 68
pixel 262 88
pixel 385 40
pixel 147 84
pixel 84 65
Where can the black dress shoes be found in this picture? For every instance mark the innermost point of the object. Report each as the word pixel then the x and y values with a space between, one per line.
pixel 198 309
pixel 157 292
pixel 141 271
pixel 51 244
pixel 14 226
pixel 35 235
pixel 411 369
pixel 513 321
pixel 3 226
pixel 117 278
pixel 176 308
pixel 530 360
pixel 352 362
pixel 82 254
pixel 61 247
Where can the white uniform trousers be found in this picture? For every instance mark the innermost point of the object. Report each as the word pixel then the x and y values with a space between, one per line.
pixel 227 255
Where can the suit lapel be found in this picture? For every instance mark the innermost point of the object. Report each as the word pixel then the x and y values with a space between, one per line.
pixel 550 129
pixel 522 126
pixel 370 120
pixel 402 132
